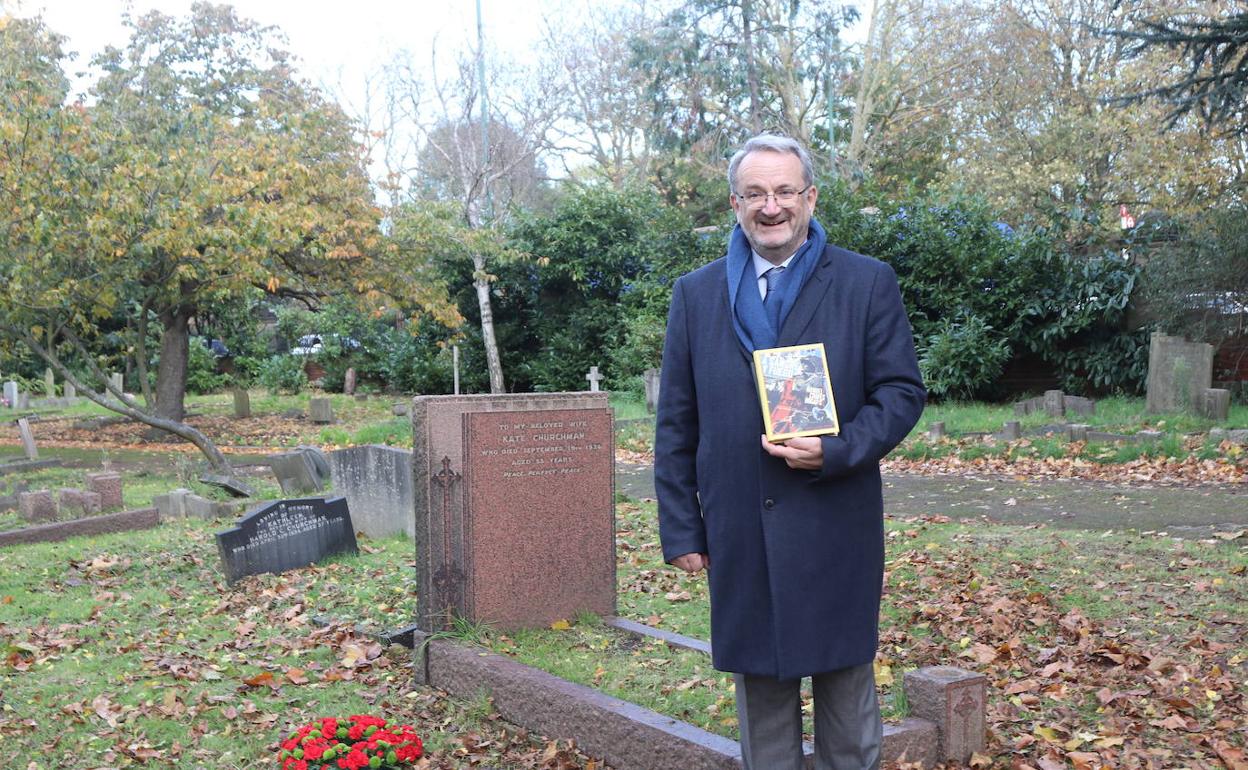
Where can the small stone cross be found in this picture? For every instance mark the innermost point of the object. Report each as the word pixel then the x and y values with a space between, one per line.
pixel 594 378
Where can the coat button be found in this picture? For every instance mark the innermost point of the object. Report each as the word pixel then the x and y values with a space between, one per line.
pixel 769 503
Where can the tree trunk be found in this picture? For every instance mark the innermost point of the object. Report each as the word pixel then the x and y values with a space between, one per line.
pixel 751 71
pixel 171 372
pixel 128 408
pixel 492 359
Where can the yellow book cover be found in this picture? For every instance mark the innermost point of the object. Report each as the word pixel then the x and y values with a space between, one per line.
pixel 795 392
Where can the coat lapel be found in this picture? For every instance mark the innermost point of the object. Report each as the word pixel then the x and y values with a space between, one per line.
pixel 808 301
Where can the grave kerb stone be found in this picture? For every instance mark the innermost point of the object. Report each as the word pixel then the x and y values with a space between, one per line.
pixel 37 506
pixel 86 503
pixel 1077 432
pixel 1012 431
pixel 108 485
pixel 955 700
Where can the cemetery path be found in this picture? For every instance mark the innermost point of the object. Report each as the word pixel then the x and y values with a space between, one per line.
pixel 1198 511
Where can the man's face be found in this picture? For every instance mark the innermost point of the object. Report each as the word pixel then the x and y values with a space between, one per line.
pixel 775 230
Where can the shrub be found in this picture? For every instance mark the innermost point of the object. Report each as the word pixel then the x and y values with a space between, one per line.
pixel 284 374
pixel 963 357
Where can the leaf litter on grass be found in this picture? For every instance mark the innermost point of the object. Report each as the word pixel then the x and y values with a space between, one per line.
pixel 130 650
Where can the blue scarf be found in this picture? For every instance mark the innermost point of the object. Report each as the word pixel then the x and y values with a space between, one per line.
pixel 749 318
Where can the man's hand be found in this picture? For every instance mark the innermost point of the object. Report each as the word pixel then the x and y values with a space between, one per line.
pixel 804 453
pixel 692 562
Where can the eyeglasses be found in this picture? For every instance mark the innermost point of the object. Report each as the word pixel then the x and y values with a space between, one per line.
pixel 784 197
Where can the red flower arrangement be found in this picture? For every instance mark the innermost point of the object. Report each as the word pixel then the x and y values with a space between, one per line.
pixel 355 743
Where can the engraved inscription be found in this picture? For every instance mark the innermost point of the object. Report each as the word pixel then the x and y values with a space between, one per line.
pixel 541 448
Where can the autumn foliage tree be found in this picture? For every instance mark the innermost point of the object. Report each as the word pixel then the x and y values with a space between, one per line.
pixel 204 166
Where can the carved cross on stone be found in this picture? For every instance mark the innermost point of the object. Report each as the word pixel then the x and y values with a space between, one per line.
pixel 967 704
pixel 594 378
pixel 448 580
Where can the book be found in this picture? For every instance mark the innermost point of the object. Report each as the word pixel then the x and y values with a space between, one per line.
pixel 795 392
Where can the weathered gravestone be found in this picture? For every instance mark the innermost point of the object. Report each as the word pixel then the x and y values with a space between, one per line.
pixel 76 500
pixel 348 382
pixel 321 410
pixel 10 393
pixel 1214 403
pixel 514 502
pixel 956 701
pixel 1178 371
pixel 286 534
pixel 28 439
pixel 1054 403
pixel 303 470
pixel 49 383
pixel 71 392
pixel 23 400
pixel 108 486
pixel 377 482
pixel 650 378
pixel 117 381
pixel 38 506
pixel 242 403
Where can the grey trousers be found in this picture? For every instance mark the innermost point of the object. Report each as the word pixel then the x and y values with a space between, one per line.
pixel 848 730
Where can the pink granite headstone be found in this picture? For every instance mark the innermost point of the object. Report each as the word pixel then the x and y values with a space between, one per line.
pixel 514 508
pixel 108 486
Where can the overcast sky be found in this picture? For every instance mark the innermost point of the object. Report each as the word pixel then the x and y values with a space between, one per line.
pixel 338 42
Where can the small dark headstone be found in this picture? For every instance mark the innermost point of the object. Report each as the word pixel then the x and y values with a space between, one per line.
pixel 287 534
pixel 230 484
pixel 1214 403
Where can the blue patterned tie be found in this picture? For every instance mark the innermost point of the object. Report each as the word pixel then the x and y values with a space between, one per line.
pixel 771 303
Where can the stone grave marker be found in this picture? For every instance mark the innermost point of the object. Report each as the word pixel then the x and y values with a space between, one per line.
pixel 10 393
pixel 1214 403
pixel 172 504
pixel 28 439
pixel 286 534
pixel 1084 407
pixel 321 410
pixel 1012 431
pixel 117 381
pixel 85 503
pixel 936 430
pixel 70 391
pixel 650 379
pixel 298 472
pixel 1054 403
pixel 1178 371
pixel 377 482
pixel 514 503
pixel 49 382
pixel 955 700
pixel 38 506
pixel 108 486
pixel 594 378
pixel 23 400
pixel 348 381
pixel 242 403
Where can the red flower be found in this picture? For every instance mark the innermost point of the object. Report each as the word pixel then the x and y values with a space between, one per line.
pixel 354 760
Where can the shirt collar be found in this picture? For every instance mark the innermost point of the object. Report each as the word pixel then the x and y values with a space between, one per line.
pixel 761 265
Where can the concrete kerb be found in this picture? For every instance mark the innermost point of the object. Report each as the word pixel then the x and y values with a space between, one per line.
pixel 627 736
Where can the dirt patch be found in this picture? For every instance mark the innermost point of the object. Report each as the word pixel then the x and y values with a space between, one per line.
pixel 230 434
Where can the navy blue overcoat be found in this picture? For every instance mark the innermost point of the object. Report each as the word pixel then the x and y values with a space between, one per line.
pixel 797 557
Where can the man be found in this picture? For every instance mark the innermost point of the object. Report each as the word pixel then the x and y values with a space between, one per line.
pixel 791 534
